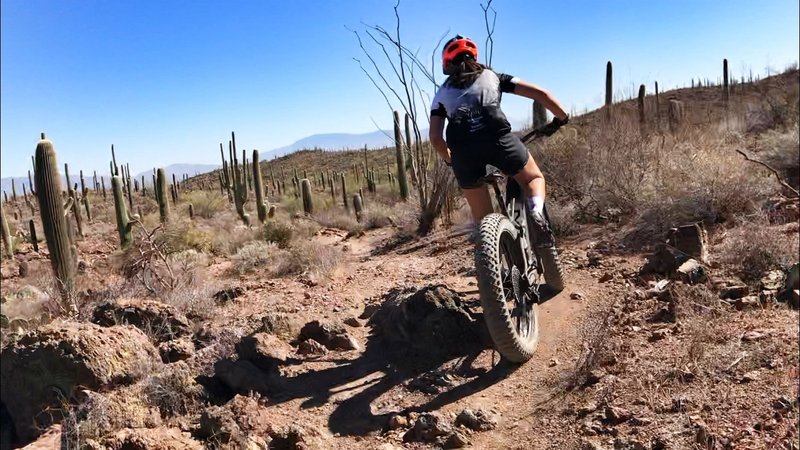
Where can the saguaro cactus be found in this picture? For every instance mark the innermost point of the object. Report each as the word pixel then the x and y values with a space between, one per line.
pixel 640 104
pixel 609 86
pixel 358 207
pixel 124 223
pixel 6 235
pixel 658 106
pixel 86 204
pixel 675 115
pixel 258 186
pixel 725 90
pixel 34 237
pixel 308 202
pixel 539 114
pixel 161 194
pixel 239 182
pixel 401 158
pixel 51 208
pixel 191 211
pixel 344 192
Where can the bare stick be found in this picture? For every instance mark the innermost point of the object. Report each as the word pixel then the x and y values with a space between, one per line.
pixel 775 172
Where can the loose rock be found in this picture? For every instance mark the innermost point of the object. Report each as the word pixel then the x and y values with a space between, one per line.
pixel 163 322
pixel 176 350
pixel 264 350
pixel 476 420
pixel 330 334
pixel 311 347
pixel 691 272
pixel 456 440
pixel 427 428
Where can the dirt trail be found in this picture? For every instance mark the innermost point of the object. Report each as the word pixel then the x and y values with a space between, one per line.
pixel 352 394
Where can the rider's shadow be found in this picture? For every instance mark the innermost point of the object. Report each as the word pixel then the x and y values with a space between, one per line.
pixel 382 367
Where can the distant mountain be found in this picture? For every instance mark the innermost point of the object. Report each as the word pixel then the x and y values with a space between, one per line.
pixel 179 170
pixel 335 141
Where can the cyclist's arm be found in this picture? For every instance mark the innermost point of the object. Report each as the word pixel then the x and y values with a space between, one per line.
pixel 534 92
pixel 436 136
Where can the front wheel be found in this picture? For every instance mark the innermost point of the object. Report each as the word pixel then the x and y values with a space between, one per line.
pixel 511 315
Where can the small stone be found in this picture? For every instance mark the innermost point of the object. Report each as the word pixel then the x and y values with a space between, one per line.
pixel 733 292
pixel 691 272
pixel 577 296
pixel 659 335
pixel 306 295
pixel 640 421
pixel 751 376
pixel 456 440
pixel 369 310
pixel 595 376
pixel 773 280
pixel 747 303
pixel 587 409
pixel 753 335
pixel 615 415
pixel 311 347
pixel 353 322
pixel 477 420
pixel 553 362
pixel 397 421
pixel 608 276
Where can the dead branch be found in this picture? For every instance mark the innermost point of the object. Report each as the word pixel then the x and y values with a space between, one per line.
pixel 489 30
pixel 771 169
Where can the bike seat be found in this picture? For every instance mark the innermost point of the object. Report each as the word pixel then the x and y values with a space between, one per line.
pixel 493 175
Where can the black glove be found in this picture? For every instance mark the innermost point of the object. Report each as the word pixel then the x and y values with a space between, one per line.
pixel 552 127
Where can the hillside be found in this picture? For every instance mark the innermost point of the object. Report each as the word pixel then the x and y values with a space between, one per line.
pixel 327 328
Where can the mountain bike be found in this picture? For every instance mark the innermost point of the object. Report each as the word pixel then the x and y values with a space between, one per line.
pixel 509 268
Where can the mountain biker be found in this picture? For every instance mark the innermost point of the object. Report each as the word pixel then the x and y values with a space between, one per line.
pixel 478 132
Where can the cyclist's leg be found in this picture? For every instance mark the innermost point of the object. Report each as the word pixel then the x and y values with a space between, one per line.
pixel 515 160
pixel 480 203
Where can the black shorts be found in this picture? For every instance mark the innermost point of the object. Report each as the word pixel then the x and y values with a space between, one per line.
pixel 507 153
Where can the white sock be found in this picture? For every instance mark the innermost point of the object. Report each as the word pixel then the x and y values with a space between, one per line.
pixel 536 204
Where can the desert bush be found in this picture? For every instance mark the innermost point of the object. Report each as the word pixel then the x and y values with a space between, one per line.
pixel 206 204
pixel 310 258
pixel 183 235
pixel 338 218
pixel 188 260
pixel 562 218
pixel 277 232
pixel 756 247
pixel 781 150
pixel 174 392
pixel 617 172
pixel 256 254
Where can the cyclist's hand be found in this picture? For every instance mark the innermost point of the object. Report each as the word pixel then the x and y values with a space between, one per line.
pixel 552 127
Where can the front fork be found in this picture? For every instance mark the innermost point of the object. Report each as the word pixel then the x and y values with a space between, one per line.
pixel 516 211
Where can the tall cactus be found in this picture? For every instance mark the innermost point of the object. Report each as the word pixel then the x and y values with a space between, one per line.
pixel 87 206
pixel 308 201
pixel 54 222
pixel 539 114
pixel 725 90
pixel 239 183
pixel 640 104
pixel 261 204
pixel 34 237
pixel 358 207
pixel 124 219
pixel 609 90
pixel 6 235
pixel 30 184
pixel 344 192
pixel 401 158
pixel 14 190
pixel 161 193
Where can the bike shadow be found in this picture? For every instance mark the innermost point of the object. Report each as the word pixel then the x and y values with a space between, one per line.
pixel 381 368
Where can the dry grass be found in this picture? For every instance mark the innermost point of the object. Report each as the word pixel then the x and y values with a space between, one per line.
pixel 206 204
pixel 257 254
pixel 174 392
pixel 756 247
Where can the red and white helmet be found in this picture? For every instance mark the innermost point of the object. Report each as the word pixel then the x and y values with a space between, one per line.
pixel 455 47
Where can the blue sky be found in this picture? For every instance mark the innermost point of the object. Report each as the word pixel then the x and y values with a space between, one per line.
pixel 166 81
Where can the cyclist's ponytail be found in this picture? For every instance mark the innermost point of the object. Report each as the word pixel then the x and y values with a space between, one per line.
pixel 464 71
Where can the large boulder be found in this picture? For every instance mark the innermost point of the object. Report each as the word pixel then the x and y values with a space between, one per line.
pixel 161 321
pixel 690 239
pixel 429 322
pixel 43 368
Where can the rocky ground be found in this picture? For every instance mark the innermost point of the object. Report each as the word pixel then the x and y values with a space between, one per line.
pixel 390 351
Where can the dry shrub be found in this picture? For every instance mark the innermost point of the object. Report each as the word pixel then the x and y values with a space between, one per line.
pixel 614 169
pixel 174 392
pixel 310 258
pixel 781 150
pixel 181 235
pixel 755 247
pixel 206 204
pixel 257 254
pixel 338 218
pixel 277 232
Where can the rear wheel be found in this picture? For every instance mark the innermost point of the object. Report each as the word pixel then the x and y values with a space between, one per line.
pixel 510 314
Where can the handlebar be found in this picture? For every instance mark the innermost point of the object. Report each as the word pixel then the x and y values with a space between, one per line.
pixel 547 130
